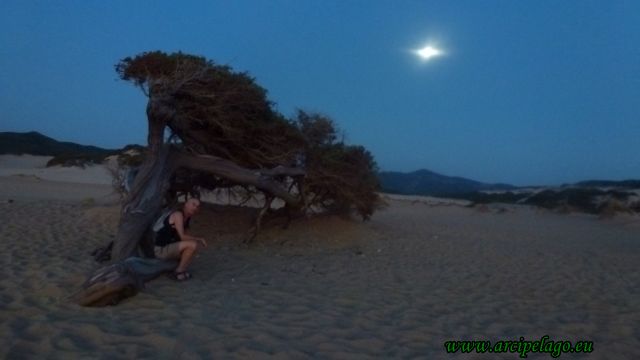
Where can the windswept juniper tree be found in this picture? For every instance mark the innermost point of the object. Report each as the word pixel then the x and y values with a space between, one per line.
pixel 218 127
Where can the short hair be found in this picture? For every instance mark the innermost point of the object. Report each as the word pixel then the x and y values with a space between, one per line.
pixel 189 199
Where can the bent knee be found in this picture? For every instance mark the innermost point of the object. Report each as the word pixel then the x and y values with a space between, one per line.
pixel 189 245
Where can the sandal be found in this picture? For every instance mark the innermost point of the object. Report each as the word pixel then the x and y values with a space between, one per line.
pixel 180 276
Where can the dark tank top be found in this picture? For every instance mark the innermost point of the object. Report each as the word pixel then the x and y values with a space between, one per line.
pixel 168 234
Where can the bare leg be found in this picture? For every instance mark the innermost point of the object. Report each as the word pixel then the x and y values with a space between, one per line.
pixel 187 249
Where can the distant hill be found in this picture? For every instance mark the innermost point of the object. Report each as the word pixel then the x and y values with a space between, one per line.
pixel 425 182
pixel 630 184
pixel 34 143
pixel 585 196
pixel 64 153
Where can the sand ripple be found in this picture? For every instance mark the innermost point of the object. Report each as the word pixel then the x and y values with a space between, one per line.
pixel 395 287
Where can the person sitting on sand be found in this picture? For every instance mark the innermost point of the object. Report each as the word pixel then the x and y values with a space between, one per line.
pixel 172 242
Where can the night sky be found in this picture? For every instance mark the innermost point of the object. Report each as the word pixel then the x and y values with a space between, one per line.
pixel 525 92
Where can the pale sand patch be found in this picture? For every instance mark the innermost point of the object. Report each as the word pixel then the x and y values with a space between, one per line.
pixel 33 188
pixel 26 177
pixel 35 166
pixel 24 161
pixel 395 287
pixel 427 200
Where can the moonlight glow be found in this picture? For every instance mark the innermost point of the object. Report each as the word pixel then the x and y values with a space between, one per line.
pixel 428 52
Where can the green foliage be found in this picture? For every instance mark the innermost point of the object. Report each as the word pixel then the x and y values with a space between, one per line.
pixel 154 65
pixel 131 156
pixel 574 197
pixel 76 159
pixel 317 130
pixel 213 109
pixel 339 177
pixel 587 200
pixel 487 198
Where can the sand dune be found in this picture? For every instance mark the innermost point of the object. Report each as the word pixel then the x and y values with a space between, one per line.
pixel 398 286
pixel 26 177
pixel 35 166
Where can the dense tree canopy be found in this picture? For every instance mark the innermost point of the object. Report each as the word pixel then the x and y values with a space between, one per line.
pixel 212 110
pixel 223 132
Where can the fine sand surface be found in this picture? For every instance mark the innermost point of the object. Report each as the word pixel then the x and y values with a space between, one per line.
pixel 35 167
pixel 26 177
pixel 419 273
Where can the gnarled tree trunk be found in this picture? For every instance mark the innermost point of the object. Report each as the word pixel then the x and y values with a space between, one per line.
pixel 146 200
pixel 144 203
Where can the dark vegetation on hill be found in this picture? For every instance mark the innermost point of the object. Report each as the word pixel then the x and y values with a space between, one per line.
pixel 629 184
pixel 35 143
pixel 580 197
pixel 64 153
pixel 429 183
pixel 575 199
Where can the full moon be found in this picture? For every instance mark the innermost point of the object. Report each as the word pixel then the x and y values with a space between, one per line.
pixel 428 52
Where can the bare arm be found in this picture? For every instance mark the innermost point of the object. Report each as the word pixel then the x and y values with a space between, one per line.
pixel 178 223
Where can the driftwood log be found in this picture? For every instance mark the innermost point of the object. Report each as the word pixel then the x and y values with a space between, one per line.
pixel 111 284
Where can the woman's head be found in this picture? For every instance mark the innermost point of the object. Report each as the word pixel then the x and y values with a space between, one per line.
pixel 191 206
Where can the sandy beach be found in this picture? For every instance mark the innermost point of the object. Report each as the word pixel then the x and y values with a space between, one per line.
pixel 421 272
